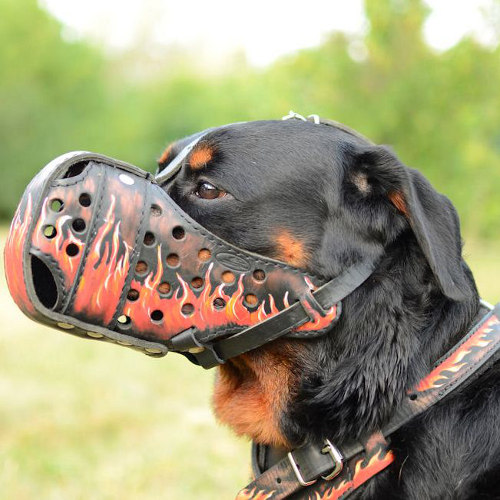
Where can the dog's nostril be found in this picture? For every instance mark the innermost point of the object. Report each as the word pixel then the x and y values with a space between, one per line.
pixel 149 239
pixel 133 295
pixel 219 303
pixel 157 315
pixel 164 288
pixel 79 225
pixel 156 211
pixel 187 309
pixel 85 200
pixel 178 233
pixel 204 254
pixel 56 205
pixel 49 232
pixel 259 275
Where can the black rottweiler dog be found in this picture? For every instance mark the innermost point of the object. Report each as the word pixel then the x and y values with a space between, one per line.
pixel 321 198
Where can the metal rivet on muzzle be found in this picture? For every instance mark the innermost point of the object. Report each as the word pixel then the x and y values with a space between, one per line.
pixel 66 326
pixel 95 335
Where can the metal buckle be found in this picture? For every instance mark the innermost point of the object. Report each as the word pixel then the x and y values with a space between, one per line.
pixel 336 457
pixel 298 475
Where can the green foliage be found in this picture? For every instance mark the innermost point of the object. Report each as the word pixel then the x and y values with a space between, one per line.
pixel 439 111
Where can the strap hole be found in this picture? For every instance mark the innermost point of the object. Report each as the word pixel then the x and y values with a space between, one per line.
pixel 72 250
pixel 156 211
pixel 204 254
pixel 85 200
pixel 56 205
pixel 197 283
pixel 157 315
pixel 228 277
pixel 141 268
pixel 259 275
pixel 75 170
pixel 164 288
pixel 187 309
pixel 49 232
pixel 178 233
pixel 413 396
pixel 133 294
pixel 149 239
pixel 79 225
pixel 173 260
pixel 278 480
pixel 219 303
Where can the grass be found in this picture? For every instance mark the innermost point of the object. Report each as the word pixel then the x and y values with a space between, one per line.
pixel 85 420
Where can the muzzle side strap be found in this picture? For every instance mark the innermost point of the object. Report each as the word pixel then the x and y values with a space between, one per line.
pixel 328 295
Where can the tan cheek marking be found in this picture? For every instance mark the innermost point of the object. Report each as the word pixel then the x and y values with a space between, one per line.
pixel 164 156
pixel 290 249
pixel 398 201
pixel 200 157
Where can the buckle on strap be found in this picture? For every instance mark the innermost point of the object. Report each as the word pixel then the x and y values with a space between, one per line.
pixel 329 449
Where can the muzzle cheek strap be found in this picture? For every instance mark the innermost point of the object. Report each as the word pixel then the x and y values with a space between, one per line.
pixel 287 322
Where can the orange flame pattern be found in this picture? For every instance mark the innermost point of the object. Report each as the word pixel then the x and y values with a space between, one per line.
pixel 442 373
pixel 14 272
pixel 254 494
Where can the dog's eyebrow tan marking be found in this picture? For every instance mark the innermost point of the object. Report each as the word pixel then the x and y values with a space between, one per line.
pixel 200 156
pixel 290 249
pixel 166 153
pixel 397 199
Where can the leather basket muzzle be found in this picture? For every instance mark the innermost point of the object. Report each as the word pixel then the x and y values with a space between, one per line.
pixel 98 249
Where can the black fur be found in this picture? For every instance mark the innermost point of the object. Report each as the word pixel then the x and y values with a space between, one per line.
pixel 333 191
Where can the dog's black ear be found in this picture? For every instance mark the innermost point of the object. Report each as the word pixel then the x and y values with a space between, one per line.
pixel 431 215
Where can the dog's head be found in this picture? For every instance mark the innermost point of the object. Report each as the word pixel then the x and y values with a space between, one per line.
pixel 322 198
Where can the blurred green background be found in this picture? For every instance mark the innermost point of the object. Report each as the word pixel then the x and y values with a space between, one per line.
pixel 86 420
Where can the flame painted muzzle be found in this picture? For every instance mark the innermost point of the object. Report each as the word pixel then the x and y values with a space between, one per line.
pixel 98 249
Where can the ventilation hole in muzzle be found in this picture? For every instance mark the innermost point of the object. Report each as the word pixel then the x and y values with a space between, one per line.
pixel 259 275
pixel 149 239
pixel 75 170
pixel 157 315
pixel 204 254
pixel 251 300
pixel 141 268
pixel 79 225
pixel 124 320
pixel 228 277
pixel 173 260
pixel 85 200
pixel 164 288
pixel 178 233
pixel 156 211
pixel 197 283
pixel 219 303
pixel 72 249
pixel 133 294
pixel 56 205
pixel 49 232
pixel 187 309
pixel 43 282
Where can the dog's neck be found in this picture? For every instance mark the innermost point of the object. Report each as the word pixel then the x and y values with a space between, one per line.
pixel 347 383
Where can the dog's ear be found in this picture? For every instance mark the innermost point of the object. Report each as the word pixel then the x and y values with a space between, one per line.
pixel 377 172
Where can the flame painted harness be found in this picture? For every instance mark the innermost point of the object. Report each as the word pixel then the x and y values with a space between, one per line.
pixel 99 250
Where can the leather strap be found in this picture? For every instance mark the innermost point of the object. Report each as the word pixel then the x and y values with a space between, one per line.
pixel 329 295
pixel 470 357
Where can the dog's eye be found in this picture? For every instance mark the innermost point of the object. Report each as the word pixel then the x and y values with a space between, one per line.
pixel 208 191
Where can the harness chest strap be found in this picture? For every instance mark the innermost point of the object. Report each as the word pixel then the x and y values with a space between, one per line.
pixel 358 461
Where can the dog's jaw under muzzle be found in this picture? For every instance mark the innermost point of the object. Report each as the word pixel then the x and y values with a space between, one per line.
pixel 99 250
